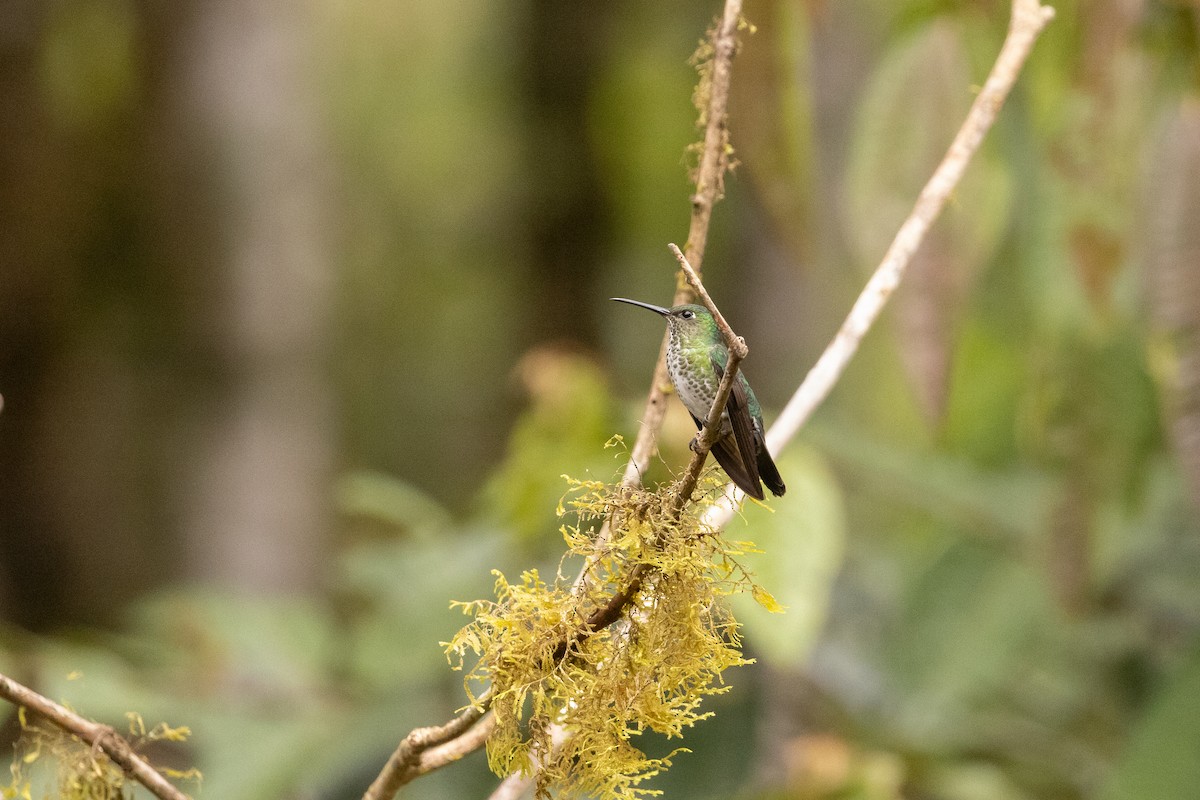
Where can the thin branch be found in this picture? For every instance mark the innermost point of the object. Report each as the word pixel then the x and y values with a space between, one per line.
pixel 710 177
pixel 714 157
pixel 735 343
pixel 405 763
pixel 1029 17
pixel 100 737
pixel 454 749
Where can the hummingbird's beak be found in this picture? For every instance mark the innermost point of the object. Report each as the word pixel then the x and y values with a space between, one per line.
pixel 656 309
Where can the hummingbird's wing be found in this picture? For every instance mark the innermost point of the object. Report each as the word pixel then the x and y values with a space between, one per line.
pixel 725 451
pixel 737 454
pixel 743 430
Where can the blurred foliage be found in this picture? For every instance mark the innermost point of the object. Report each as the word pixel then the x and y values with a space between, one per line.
pixel 570 417
pixel 990 546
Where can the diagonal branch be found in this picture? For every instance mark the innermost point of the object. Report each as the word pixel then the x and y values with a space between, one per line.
pixel 100 737
pixel 414 755
pixel 1028 19
pixel 712 424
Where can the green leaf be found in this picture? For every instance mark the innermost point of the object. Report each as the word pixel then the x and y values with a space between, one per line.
pixel 1010 503
pixel 910 113
pixel 566 428
pixel 912 108
pixel 969 622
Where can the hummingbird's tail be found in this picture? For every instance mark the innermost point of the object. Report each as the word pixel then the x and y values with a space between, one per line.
pixel 727 455
pixel 770 473
pixel 730 458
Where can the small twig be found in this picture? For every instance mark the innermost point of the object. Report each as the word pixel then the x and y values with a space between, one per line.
pixel 712 424
pixel 100 737
pixel 454 749
pixel 735 343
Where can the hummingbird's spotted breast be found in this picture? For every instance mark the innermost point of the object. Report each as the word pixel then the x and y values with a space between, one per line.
pixel 694 379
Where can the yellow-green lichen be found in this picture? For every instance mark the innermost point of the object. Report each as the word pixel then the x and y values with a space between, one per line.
pixel 574 719
pixel 84 771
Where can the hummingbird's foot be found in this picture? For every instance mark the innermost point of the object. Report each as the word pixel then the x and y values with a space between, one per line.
pixel 694 444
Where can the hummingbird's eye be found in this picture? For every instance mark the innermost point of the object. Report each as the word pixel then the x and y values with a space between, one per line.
pixel 687 313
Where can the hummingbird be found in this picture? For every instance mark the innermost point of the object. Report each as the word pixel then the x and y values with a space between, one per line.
pixel 696 359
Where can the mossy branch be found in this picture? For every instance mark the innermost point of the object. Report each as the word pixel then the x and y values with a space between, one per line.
pixel 683 488
pixel 102 738
pixel 712 99
pixel 568 709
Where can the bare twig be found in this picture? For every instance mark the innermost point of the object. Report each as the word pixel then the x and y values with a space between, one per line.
pixel 100 737
pixel 735 343
pixel 712 424
pixel 1029 17
pixel 452 750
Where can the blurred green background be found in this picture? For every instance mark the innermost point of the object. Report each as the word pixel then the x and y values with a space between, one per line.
pixel 303 315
